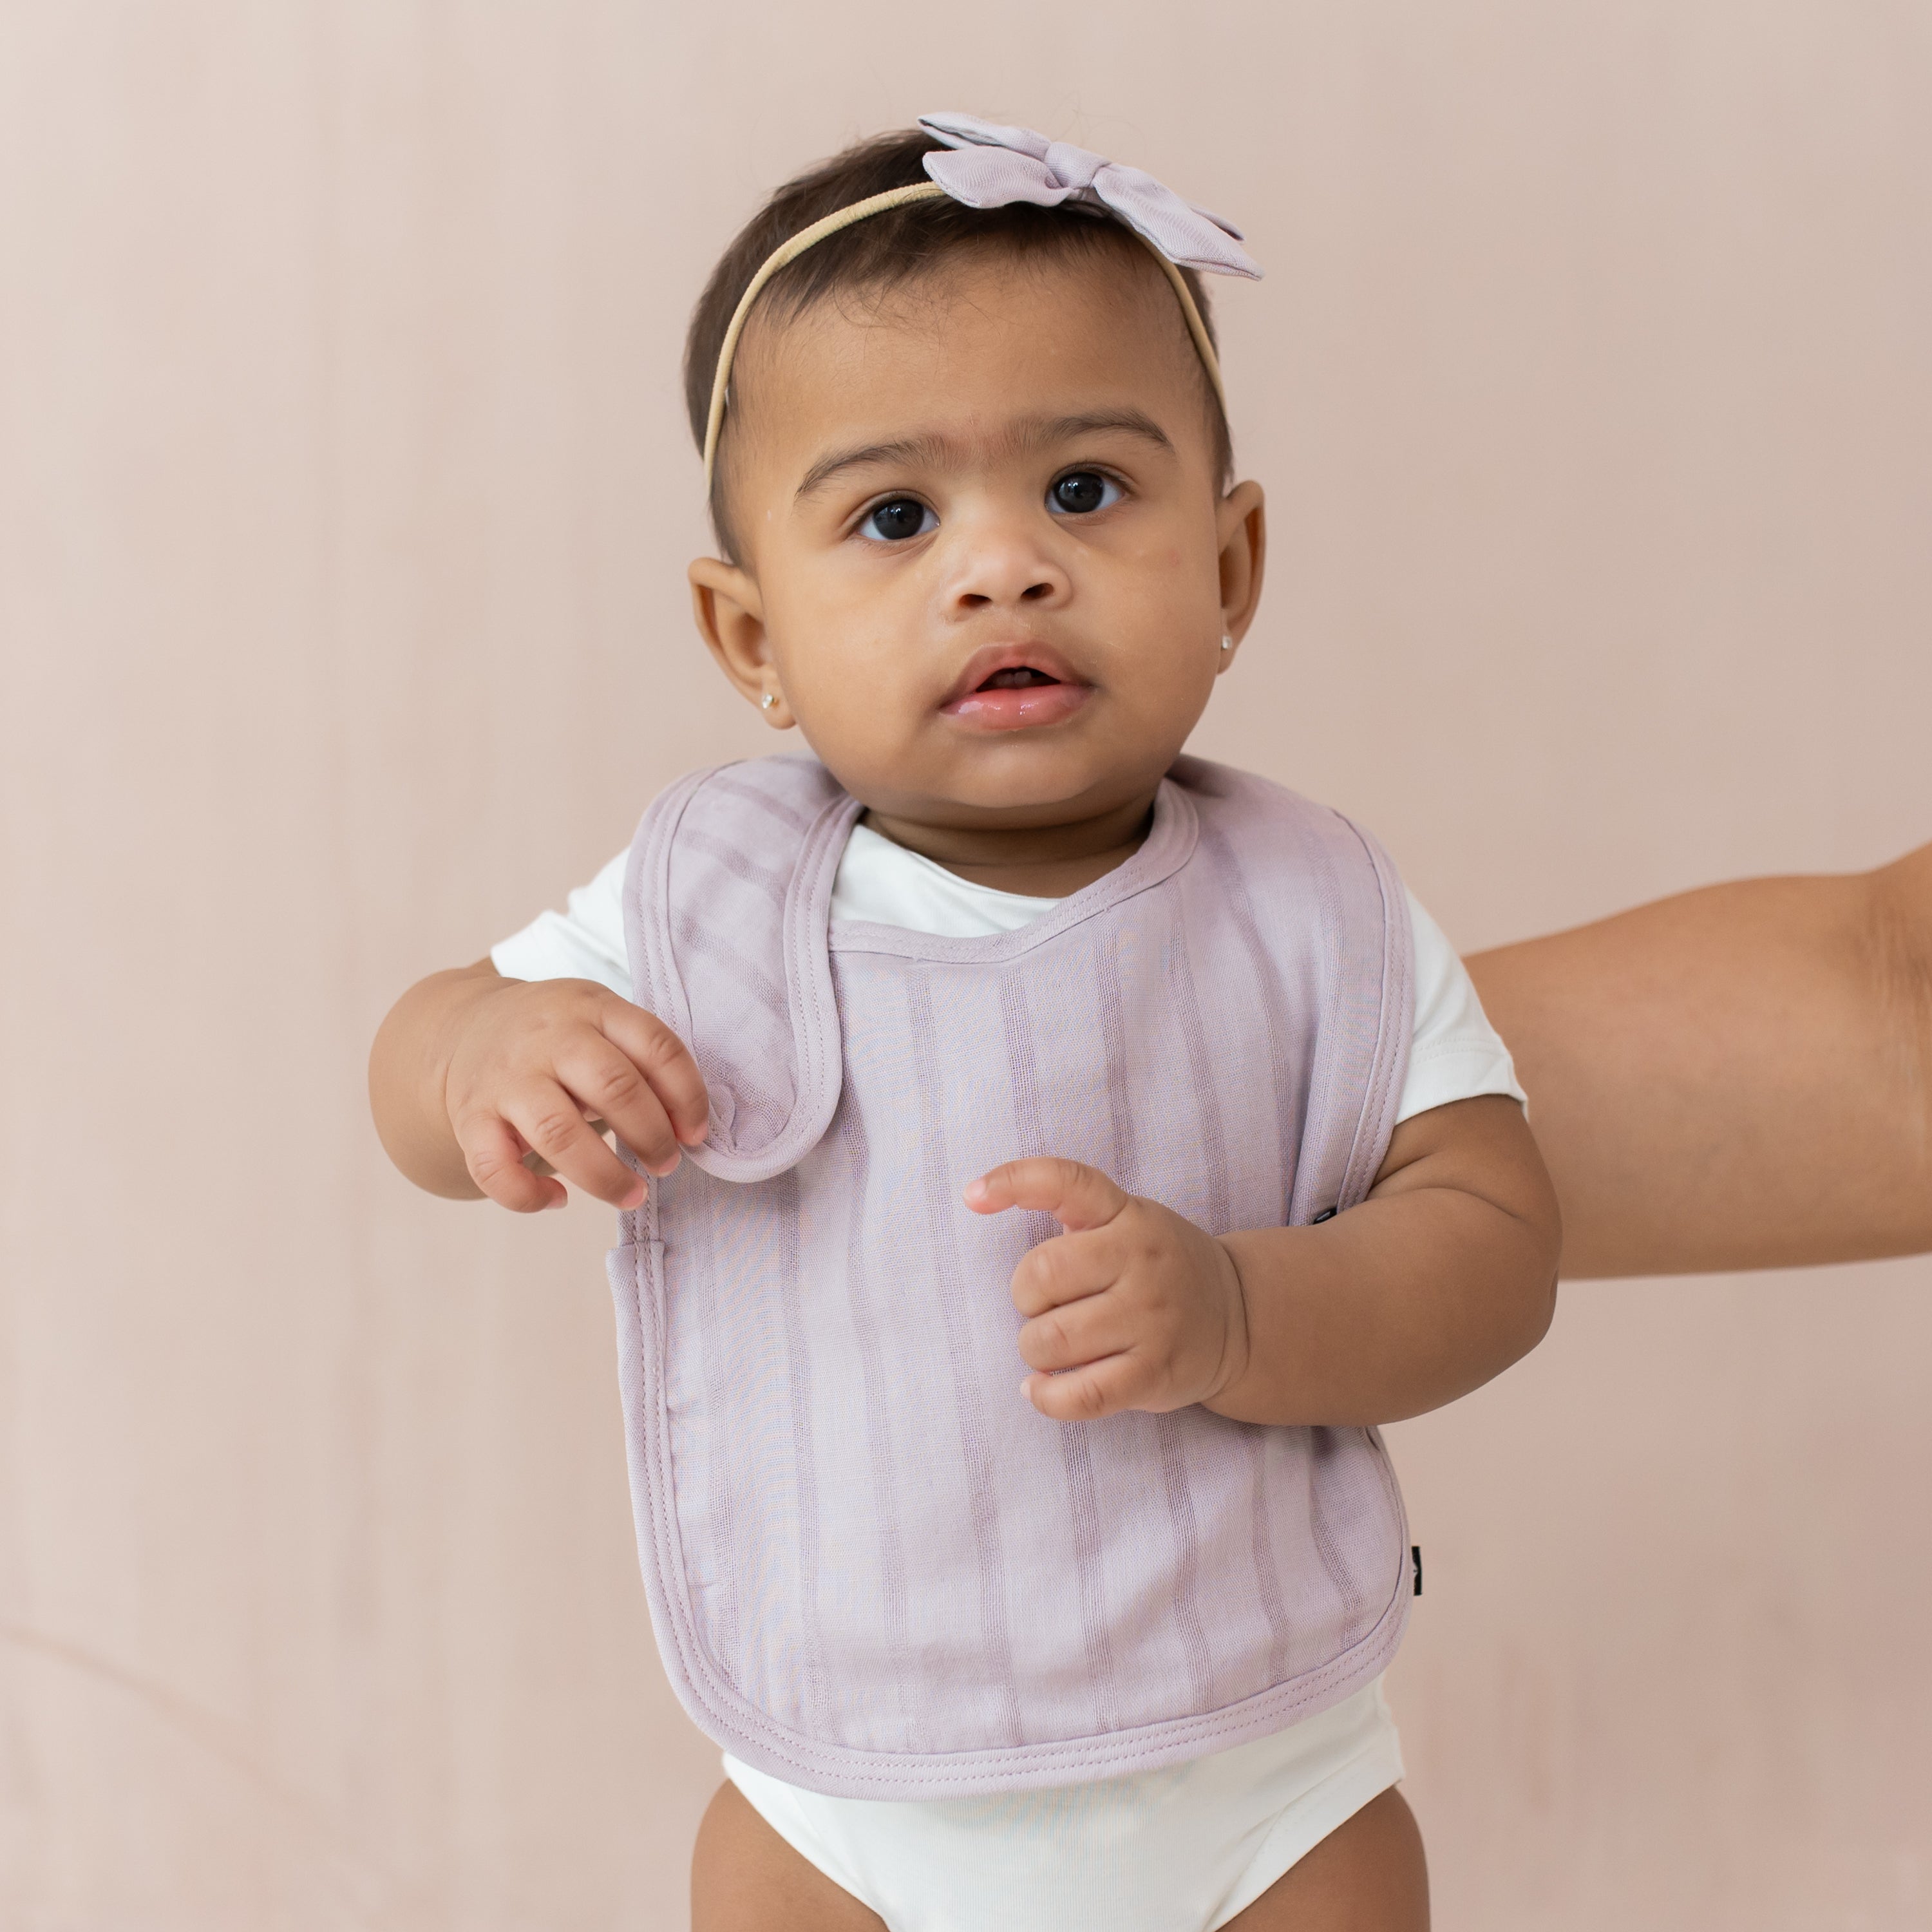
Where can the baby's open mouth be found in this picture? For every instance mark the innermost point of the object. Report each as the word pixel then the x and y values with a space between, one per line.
pixel 1010 697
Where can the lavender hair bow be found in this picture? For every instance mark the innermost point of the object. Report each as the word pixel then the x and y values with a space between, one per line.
pixel 991 167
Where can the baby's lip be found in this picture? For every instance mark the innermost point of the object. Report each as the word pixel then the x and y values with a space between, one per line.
pixel 990 659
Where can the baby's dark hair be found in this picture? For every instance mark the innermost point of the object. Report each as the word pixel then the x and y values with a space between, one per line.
pixel 882 253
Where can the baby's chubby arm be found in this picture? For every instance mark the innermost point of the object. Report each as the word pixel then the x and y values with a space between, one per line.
pixel 1440 1279
pixel 471 1072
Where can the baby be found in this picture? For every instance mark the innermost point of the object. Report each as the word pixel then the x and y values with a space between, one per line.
pixel 1001 1035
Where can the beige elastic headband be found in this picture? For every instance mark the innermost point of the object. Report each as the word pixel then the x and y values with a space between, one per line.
pixel 878 204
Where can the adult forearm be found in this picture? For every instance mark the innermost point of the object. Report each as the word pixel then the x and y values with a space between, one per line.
pixel 408 1066
pixel 1737 1078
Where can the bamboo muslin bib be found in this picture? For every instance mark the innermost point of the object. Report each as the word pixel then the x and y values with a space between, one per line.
pixel 875 1570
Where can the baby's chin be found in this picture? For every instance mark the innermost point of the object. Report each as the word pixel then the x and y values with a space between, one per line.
pixel 1013 788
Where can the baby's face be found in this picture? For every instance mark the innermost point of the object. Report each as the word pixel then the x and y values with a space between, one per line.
pixel 988 567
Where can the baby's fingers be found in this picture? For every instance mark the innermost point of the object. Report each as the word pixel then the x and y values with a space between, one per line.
pixel 610 1088
pixel 1069 1267
pixel 1070 1337
pixel 552 1124
pixel 1086 1394
pixel 494 1156
pixel 664 1064
pixel 1076 1196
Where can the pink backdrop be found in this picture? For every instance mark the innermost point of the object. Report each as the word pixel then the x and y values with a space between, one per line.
pixel 344 501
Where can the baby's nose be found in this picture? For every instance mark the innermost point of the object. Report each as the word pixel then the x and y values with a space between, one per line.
pixel 1006 569
pixel 1036 592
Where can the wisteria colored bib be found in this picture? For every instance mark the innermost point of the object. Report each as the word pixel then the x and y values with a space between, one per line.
pixel 874 1569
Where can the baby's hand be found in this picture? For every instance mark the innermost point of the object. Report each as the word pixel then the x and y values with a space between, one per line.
pixel 534 1062
pixel 1132 1307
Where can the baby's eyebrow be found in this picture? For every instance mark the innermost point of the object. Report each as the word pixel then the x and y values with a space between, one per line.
pixel 927 451
pixel 933 452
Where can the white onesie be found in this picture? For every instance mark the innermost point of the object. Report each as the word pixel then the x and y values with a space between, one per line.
pixel 1187 1847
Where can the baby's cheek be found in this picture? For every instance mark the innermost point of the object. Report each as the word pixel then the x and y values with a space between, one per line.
pixel 854 694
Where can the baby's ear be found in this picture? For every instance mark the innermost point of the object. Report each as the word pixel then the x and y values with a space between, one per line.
pixel 730 616
pixel 1241 525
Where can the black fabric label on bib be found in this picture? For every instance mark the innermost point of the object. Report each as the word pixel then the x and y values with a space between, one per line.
pixel 1415 1565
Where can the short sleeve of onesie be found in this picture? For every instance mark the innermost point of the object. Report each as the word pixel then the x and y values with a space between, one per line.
pixel 1454 1054
pixel 584 941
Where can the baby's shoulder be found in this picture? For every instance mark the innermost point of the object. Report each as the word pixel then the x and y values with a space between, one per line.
pixel 1273 825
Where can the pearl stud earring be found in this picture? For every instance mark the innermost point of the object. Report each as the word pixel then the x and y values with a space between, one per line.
pixel 1227 642
pixel 770 698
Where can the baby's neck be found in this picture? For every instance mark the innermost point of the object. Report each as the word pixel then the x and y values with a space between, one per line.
pixel 1045 861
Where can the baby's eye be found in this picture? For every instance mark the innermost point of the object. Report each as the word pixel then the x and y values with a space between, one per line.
pixel 899 518
pixel 1081 491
